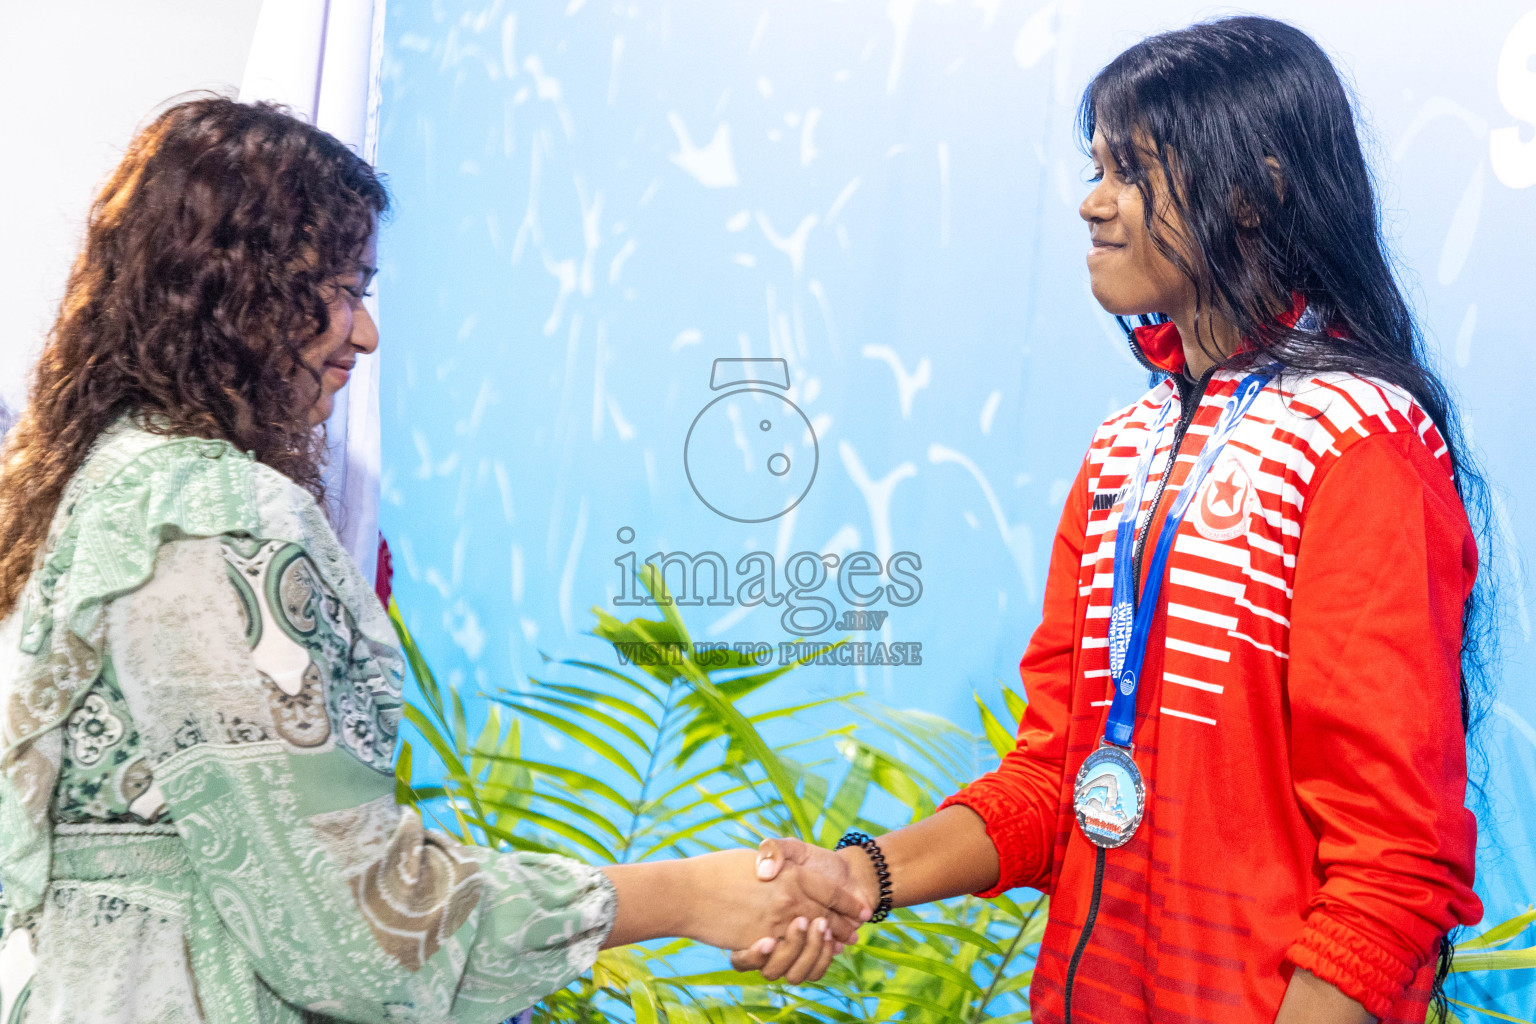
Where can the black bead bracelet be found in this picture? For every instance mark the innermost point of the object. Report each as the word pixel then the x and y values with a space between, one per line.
pixel 883 873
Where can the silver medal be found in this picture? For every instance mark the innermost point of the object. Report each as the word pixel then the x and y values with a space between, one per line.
pixel 1109 797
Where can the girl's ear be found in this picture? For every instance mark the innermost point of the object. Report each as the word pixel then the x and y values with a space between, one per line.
pixel 1243 210
pixel 1276 178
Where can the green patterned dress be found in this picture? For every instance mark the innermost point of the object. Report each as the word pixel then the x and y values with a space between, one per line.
pixel 199 699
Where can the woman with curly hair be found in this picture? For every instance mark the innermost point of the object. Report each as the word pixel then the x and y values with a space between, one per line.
pixel 199 693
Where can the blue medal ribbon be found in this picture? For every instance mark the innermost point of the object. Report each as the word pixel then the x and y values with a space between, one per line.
pixel 1130 620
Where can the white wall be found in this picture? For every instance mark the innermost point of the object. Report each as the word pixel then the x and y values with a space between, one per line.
pixel 79 76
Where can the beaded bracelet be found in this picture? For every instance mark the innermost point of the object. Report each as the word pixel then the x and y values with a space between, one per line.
pixel 883 873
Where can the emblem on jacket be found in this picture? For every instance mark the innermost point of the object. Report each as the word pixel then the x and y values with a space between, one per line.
pixel 1222 509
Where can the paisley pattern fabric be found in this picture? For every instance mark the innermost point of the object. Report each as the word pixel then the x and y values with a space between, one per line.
pixel 204 693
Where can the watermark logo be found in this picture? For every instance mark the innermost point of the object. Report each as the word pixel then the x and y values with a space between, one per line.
pixel 751 454
pixel 814 592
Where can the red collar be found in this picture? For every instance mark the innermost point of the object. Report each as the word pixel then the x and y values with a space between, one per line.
pixel 1163 348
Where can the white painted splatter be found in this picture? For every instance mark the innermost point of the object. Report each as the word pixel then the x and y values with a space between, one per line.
pixel 1432 110
pixel 463 625
pixel 1515 567
pixel 591 232
pixel 739 221
pixel 900 12
pixel 765 87
pixel 1464 336
pixel 518 574
pixel 617 266
pixel 908 384
pixel 989 411
pixel 548 88
pixel 600 361
pixel 564 273
pixel 842 199
pixel 1065 84
pixel 820 295
pixel 530 230
pixel 710 165
pixel 509 46
pixel 1458 238
pixel 758 32
pixel 1016 537
pixel 877 494
pixel 744 259
pixel 1066 191
pixel 807 140
pixel 792 245
pixel 470 424
pixel 621 426
pixel 504 490
pixel 691 336
pixel 1515 719
pixel 613 69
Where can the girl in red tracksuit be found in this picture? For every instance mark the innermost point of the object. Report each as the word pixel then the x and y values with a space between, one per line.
pixel 1242 770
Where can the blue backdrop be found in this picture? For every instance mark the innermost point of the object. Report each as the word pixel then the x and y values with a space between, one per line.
pixel 877 202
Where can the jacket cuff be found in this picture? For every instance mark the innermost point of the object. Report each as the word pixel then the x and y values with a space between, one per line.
pixel 1010 845
pixel 1351 963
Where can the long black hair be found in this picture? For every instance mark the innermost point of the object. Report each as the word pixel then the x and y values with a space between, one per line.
pixel 1255 135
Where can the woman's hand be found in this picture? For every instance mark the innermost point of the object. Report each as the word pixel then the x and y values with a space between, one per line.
pixel 725 899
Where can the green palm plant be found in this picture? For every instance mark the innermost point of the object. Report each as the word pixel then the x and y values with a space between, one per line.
pixel 687 753
pixel 684 751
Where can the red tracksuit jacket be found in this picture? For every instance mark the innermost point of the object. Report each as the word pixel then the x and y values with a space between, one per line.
pixel 1298 721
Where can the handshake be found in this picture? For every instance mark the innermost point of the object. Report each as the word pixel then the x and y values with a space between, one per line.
pixel 785 909
pixel 802 907
pixel 788 908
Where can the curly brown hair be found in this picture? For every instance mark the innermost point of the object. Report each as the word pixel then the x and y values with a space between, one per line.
pixel 208 260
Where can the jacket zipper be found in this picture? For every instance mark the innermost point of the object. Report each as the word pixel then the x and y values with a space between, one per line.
pixel 1189 403
pixel 1190 395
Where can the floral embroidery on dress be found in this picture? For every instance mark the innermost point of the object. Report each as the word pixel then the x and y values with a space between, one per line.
pixel 92 729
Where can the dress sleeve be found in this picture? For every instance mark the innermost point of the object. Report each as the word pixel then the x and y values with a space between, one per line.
pixel 270 735
pixel 1019 800
pixel 1385 564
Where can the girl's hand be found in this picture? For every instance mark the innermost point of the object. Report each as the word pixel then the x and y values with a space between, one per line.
pixel 804 954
